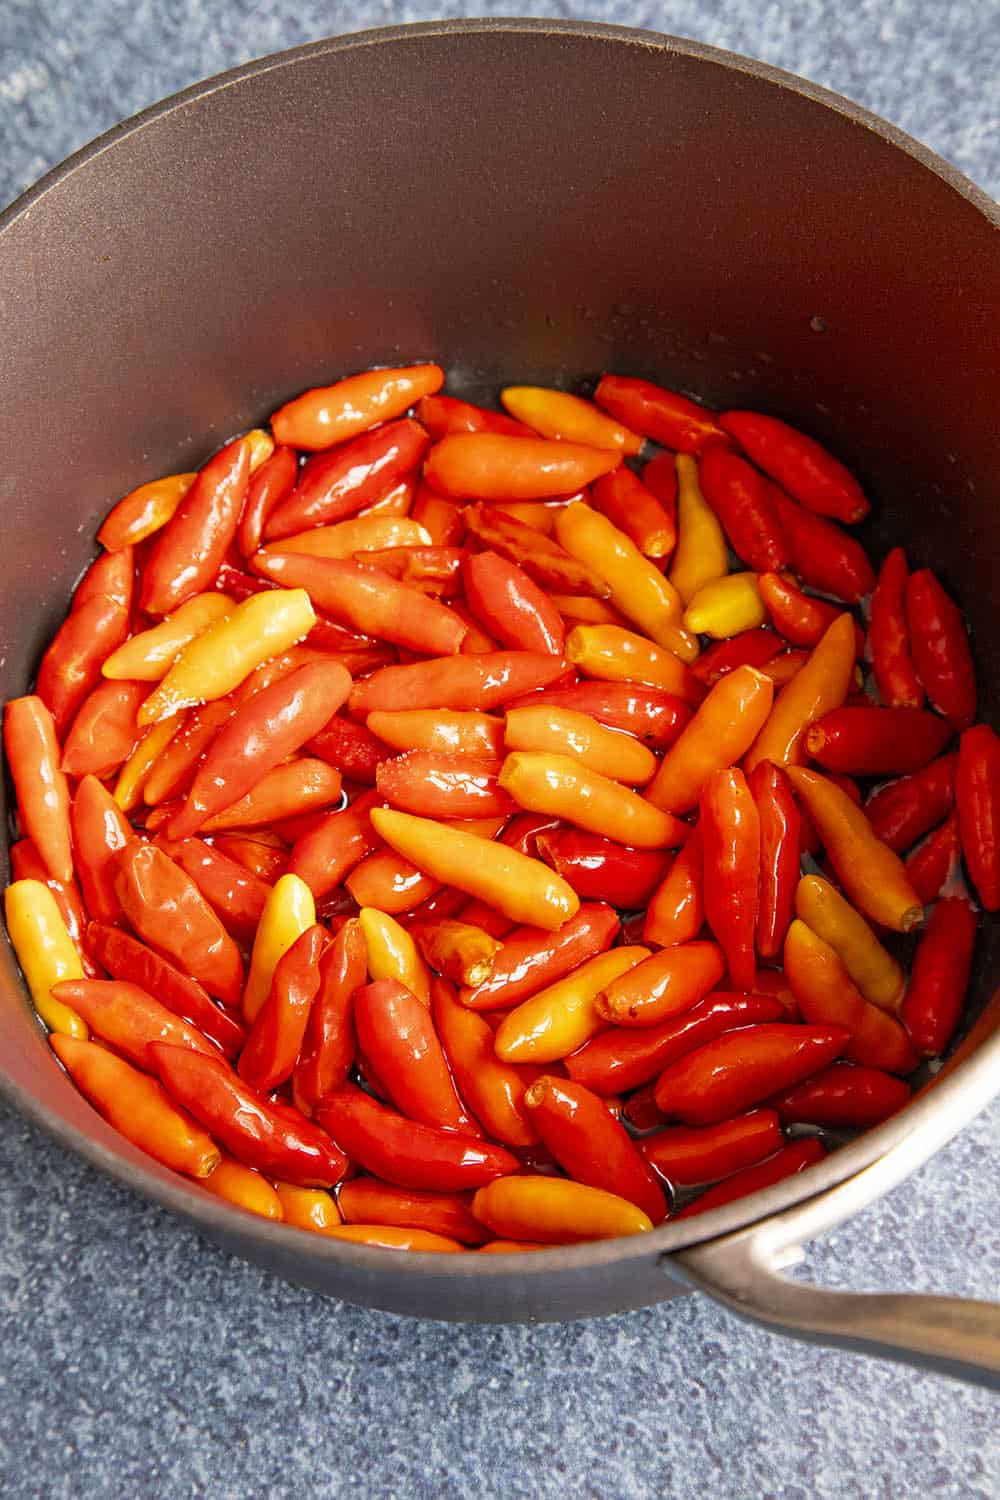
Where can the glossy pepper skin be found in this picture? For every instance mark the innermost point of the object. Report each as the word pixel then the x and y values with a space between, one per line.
pixel 736 1071
pixel 637 511
pixel 336 485
pixel 149 655
pixel 277 1142
pixel 406 1152
pixel 130 1019
pixel 903 811
pixel 940 649
pixel 492 466
pixel 443 732
pixel 334 413
pixel 702 554
pixel 340 840
pixel 556 784
pixel 657 413
pixel 443 786
pixel 799 464
pixel 510 605
pixel 827 995
pixel 601 869
pixel 889 636
pixel 26 864
pixel 557 1020
pixel 780 836
pixel 393 955
pixel 32 750
pixel 875 972
pixel 97 623
pixel 567 732
pixel 823 555
pixel 842 1097
pixel 977 799
pixel 493 1090
pixel 612 653
pixel 787 1162
pixel 530 960
pixel 463 682
pixel 556 414
pixel 351 748
pixel 730 842
pixel 329 1044
pixel 664 985
pixel 939 977
pixel 443 414
pixel 555 1211
pixel 460 952
pixel 725 607
pixel 144 510
pixel 275 1039
pixel 272 483
pixel 45 951
pixel 820 685
pixel 743 502
pixel 396 1033
pixel 289 911
pixel 235 895
pixel 365 1200
pixel 689 1155
pixel 540 555
pixel 722 730
pixel 654 717
pixel 187 553
pixel 676 909
pixel 799 617
pixel 876 741
pixel 750 648
pixel 104 731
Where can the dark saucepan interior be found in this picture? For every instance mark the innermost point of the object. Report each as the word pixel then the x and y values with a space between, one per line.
pixel 609 203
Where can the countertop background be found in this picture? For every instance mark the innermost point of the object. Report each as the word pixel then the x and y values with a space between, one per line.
pixel 137 1360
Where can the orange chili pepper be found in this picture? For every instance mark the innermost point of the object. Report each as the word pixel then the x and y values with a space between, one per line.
pixel 440 731
pixel 494 1090
pixel 542 558
pixel 555 1211
pixel 396 1032
pixel 365 1200
pixel 561 786
pixel 579 736
pixel 462 682
pixel 492 466
pixel 104 730
pixel 392 1237
pixel 144 510
pixel 174 767
pixel 556 414
pixel 333 413
pixel 529 959
pixel 96 625
pixel 32 750
pixel 298 786
pixel 662 986
pixel 272 1047
pixel 441 519
pixel 561 1017
pixel 610 653
pixel 723 728
pixel 515 610
pixel 322 857
pixel 875 972
pixel 820 685
pixel 390 883
pixel 828 996
pixel 676 910
pixel 129 1018
pixel 460 952
pixel 635 510
pixel 187 554
pixel 244 1188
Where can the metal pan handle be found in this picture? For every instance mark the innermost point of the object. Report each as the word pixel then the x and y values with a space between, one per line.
pixel 742 1271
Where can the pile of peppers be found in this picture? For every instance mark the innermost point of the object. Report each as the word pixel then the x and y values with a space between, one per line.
pixel 451 829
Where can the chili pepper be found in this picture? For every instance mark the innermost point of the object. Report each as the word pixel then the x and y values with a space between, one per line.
pixel 393 955
pixel 45 951
pixel 799 617
pixel 397 502
pixel 143 511
pixel 875 972
pixel 940 649
pixel 787 1162
pixel 750 648
pixel 331 414
pixel 579 609
pixel 148 656
pixel 743 502
pixel 871 874
pixel 662 415
pixel 242 1186
pixel 701 555
pixel 735 1071
pixel 842 1097
pixel 444 902
pixel 97 623
pixel 774 983
pixel 271 483
pixel 276 1141
pixel 275 1039
pixel 611 653
pixel 460 952
pixel 129 1018
pixel 654 717
pixel 554 1211
pixel 351 748
pixel 556 414
pixel 513 608
pixel 820 685
pixel 930 865
pixel 781 669
pixel 443 786
pixel 876 741
pixel 289 911
pixel 889 636
pixel 364 1200
pixel 493 1089
pixel 663 986
pixel 329 1046
pixel 780 834
pixel 444 414
pixel 636 511
pixel 26 864
pixel 530 961
pixel 335 485
pixel 555 1021
pixel 558 785
pixel 523 889
pixel 730 842
pixel 726 607
pixel 339 841
pixel 440 732
pixel 828 996
pixel 407 1152
pixel 600 869
pixel 237 896
pixel 390 883
pixel 977 799
pixel 442 519
pixel 723 728
pixel 173 770
pixel 263 854
pixel 493 466
pixel 823 555
pixel 620 1059
pixel 396 1032
pixel 130 784
pixel 286 791
pixel 904 810
pixel 360 534
pixel 689 1155
pixel 32 751
pixel 801 465
pixel 307 1208
pixel 188 551
pixel 676 909
pixel 480 914
pixel 581 737
pixel 219 659
pixel 390 1237
pixel 638 588
pixel 430 570
pixel 104 730
pixel 542 558
pixel 463 682
pixel 940 976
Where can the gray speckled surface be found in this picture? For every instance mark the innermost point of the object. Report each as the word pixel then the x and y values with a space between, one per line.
pixel 140 1361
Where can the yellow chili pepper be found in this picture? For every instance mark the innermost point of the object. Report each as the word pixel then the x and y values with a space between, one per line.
pixel 261 447
pixel 148 656
pixel 144 510
pixel 134 773
pixel 308 1208
pixel 821 684
pixel 614 654
pixel 555 414
pixel 563 1016
pixel 875 972
pixel 567 732
pixel 392 953
pixel 360 534
pixel 522 888
pixel 638 588
pixel 721 730
pixel 288 912
pixel 45 952
pixel 555 1211
pixel 220 658
pixel 702 553
pixel 244 1187
pixel 555 784
pixel 725 606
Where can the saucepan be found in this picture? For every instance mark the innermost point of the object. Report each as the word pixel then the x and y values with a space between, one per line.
pixel 541 201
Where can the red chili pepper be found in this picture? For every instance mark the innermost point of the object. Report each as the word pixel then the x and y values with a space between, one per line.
pixel 125 958
pixel 96 625
pixel 100 832
pixel 977 798
pixel 780 834
pixel 130 1019
pixel 32 749
pixel 842 1097
pixel 443 786
pixel 542 558
pixel 531 960
pixel 353 749
pixel 432 570
pixel 627 502
pixel 876 741
pixel 787 1162
pixel 598 869
pixel 522 831
pixel 277 1142
pixel 442 519
pixel 903 811
pixel 336 484
pixel 657 413
pixel 443 414
pixel 329 1046
pixel 751 648
pixel 688 1155
pixel 622 1059
pixel 590 1146
pixel 653 716
pixel 801 465
pixel 396 1032
pixel 676 910
pixel 406 1152
pixel 272 1047
pixel 743 501
pixel 730 842
pixel 940 648
pixel 734 1072
pixel 263 854
pixel 189 549
pixel 104 730
pixel 640 1110
pixel 236 896
pixel 939 977
pixel 478 913
pixel 511 606
pixel 463 682
pixel 27 864
pixel 494 1089
pixel 824 557
pixel 268 488
pixel 800 618
pixel 442 904
pixel 889 636
pixel 339 841
pixel 930 865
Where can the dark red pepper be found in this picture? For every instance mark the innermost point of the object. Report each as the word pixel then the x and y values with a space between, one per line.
pixel 930 865
pixel 395 1031
pixel 977 799
pixel 688 1155
pixel 889 636
pixel 662 415
pixel 353 749
pixel 329 1045
pixel 780 834
pixel 787 1162
pixel 823 555
pixel 730 846
pixel 96 625
pixel 842 1097
pixel 599 869
pixel 744 503
pixel 940 648
pixel 510 605
pixel 933 1002
pixel 903 811
pixel 874 741
pixel 751 648
pixel 268 487
pixel 232 891
pixel 272 1047
pixel 653 716
pixel 336 484
pixel 799 464
pixel 734 1072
